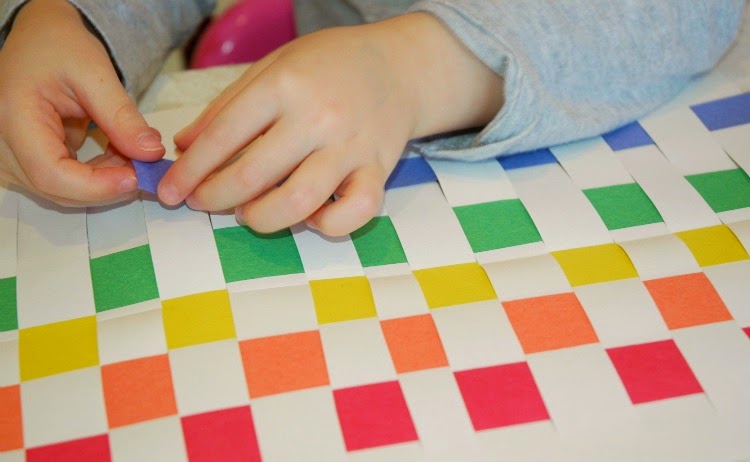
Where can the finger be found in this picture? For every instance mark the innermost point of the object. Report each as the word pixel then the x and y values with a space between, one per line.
pixel 185 137
pixel 360 198
pixel 268 160
pixel 228 132
pixel 75 133
pixel 304 192
pixel 49 170
pixel 106 101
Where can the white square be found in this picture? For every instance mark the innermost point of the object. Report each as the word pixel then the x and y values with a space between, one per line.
pixel 275 311
pixel 9 366
pixel 53 254
pixel 465 183
pixel 63 407
pixel 398 296
pixel 115 228
pixel 404 452
pixel 584 395
pixel 326 257
pixel 137 334
pixel 13 456
pixel 439 414
pixel 477 335
pixel 159 439
pixel 8 232
pixel 527 277
pixel 731 282
pixel 301 425
pixel 356 353
pixel 207 377
pixel 622 313
pixel 660 257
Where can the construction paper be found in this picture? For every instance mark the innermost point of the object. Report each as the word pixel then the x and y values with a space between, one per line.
pixel 687 300
pixel 198 318
pixel 527 159
pixel 595 264
pixel 410 171
pixel 377 243
pixel 730 282
pixel 725 112
pixel 562 214
pixel 115 228
pixel 497 225
pixel 342 299
pixel 222 384
pixel 527 277
pixel 678 203
pixel 628 136
pixel 224 434
pixel 325 257
pixel 273 311
pixel 149 174
pixel 455 285
pixel 414 343
pixel 591 163
pixel 714 245
pixel 623 206
pixel 466 183
pixel 123 278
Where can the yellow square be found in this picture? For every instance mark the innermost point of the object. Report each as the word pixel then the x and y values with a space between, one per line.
pixel 198 318
pixel 455 285
pixel 592 265
pixel 59 347
pixel 714 245
pixel 342 299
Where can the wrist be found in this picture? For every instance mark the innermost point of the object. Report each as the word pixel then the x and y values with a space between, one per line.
pixel 451 89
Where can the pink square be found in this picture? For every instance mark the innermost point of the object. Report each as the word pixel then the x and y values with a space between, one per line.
pixel 226 435
pixel 499 396
pixel 654 371
pixel 374 415
pixel 94 449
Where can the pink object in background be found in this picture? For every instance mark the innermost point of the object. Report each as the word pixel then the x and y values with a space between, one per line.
pixel 245 32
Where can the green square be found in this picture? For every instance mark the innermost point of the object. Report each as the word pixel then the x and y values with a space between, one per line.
pixel 378 244
pixel 123 278
pixel 623 206
pixel 246 254
pixel 724 190
pixel 497 225
pixel 8 305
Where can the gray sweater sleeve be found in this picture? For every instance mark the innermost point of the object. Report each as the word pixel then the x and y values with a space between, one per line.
pixel 578 68
pixel 138 33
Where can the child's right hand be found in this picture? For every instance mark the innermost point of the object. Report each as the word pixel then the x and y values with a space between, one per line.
pixel 55 77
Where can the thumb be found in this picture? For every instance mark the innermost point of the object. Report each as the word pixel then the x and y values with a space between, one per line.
pixel 110 107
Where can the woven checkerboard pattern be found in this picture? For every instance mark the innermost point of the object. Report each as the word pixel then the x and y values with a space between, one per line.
pixel 584 302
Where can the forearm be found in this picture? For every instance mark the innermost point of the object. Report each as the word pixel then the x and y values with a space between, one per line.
pixel 577 68
pixel 451 87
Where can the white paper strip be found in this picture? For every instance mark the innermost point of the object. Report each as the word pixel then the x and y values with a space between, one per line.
pixel 427 227
pixel 679 204
pixel 115 228
pixel 591 164
pixel 183 251
pixel 562 214
pixel 465 183
pixel 54 277
pixel 325 257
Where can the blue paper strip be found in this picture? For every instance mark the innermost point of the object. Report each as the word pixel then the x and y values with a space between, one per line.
pixel 725 112
pixel 628 136
pixel 149 174
pixel 410 171
pixel 527 159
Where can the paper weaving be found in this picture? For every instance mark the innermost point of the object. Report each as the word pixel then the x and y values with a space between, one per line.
pixel 585 302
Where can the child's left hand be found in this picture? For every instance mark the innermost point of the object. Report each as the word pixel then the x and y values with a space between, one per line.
pixel 328 113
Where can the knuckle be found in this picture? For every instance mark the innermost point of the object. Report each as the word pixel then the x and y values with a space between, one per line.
pixel 302 201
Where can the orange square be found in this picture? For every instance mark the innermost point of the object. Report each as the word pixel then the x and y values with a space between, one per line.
pixel 283 363
pixel 687 300
pixel 11 429
pixel 550 322
pixel 414 343
pixel 138 390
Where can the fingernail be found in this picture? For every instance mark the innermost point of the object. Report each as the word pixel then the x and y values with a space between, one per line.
pixel 128 185
pixel 149 142
pixel 168 194
pixel 238 216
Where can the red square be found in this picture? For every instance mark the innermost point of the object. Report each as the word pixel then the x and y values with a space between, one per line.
pixel 747 331
pixel 500 396
pixel 654 371
pixel 374 415
pixel 227 435
pixel 92 449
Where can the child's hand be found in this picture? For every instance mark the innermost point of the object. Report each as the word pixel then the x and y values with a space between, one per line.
pixel 328 113
pixel 55 76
